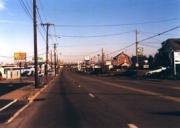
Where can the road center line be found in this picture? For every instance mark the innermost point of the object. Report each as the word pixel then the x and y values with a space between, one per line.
pixel 3 108
pixel 91 95
pixel 132 126
pixel 172 98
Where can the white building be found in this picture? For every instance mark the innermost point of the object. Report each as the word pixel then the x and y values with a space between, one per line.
pixel 9 72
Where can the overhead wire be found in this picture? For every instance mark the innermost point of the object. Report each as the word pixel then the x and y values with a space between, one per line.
pixel 93 36
pixel 159 34
pixel 145 39
pixel 117 25
pixel 25 8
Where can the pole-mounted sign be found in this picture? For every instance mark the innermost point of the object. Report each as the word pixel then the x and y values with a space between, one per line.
pixel 176 60
pixel 19 56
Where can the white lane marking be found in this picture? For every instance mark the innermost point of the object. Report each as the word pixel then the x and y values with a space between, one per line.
pixel 17 113
pixel 10 85
pixel 178 88
pixel 3 108
pixel 132 126
pixel 30 99
pixel 172 98
pixel 91 95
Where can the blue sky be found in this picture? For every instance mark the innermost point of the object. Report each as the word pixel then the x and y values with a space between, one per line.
pixel 16 26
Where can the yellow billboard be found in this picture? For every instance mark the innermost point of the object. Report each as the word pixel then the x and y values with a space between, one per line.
pixel 19 56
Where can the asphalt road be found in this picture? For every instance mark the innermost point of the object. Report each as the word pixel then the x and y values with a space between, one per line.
pixel 7 112
pixel 9 107
pixel 8 87
pixel 82 101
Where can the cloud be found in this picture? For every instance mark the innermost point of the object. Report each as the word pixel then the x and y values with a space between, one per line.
pixel 2 4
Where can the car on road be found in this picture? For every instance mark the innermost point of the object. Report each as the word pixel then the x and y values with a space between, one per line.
pixel 156 71
pixel 161 72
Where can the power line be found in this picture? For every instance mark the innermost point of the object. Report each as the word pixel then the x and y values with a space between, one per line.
pixel 40 18
pixel 159 34
pixel 55 33
pixel 149 46
pixel 121 49
pixel 42 7
pixel 93 36
pixel 25 8
pixel 123 24
pixel 148 33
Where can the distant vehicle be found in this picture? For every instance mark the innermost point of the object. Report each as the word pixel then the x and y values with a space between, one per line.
pixel 162 73
pixel 156 71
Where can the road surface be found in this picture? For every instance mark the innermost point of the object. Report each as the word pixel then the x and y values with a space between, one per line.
pixel 82 101
pixel 8 86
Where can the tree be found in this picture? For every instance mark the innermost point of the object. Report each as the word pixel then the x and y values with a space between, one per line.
pixel 140 61
pixel 151 62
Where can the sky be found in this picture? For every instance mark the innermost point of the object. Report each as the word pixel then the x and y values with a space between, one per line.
pixel 87 26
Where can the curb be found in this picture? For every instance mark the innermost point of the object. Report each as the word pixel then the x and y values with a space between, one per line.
pixel 30 101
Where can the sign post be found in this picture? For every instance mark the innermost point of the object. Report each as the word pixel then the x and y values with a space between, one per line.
pixel 176 61
pixel 20 57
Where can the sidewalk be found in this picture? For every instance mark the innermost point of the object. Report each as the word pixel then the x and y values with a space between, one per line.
pixel 15 102
pixel 23 93
pixel 19 94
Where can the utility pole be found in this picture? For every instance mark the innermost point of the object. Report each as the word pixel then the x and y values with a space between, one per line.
pixel 51 61
pixel 102 56
pixel 102 64
pixel 55 61
pixel 47 48
pixel 137 62
pixel 35 44
pixel 98 58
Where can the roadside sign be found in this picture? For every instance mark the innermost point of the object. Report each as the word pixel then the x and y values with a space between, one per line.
pixel 146 66
pixel 140 51
pixel 176 60
pixel 20 56
pixel 177 57
pixel 86 58
pixel 108 62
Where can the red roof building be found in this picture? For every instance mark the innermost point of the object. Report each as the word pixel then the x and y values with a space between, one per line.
pixel 122 60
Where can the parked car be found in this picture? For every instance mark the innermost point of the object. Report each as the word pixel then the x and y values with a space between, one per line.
pixel 162 72
pixel 156 71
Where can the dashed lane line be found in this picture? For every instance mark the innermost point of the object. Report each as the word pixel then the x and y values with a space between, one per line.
pixel 91 95
pixel 142 91
pixel 132 126
pixel 3 108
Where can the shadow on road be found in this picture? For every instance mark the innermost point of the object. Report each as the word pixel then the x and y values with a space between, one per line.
pixel 169 113
pixel 70 112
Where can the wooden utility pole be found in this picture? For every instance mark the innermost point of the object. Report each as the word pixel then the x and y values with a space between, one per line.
pixel 47 48
pixel 102 63
pixel 102 57
pixel 137 62
pixel 55 61
pixel 35 44
pixel 51 61
pixel 98 59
